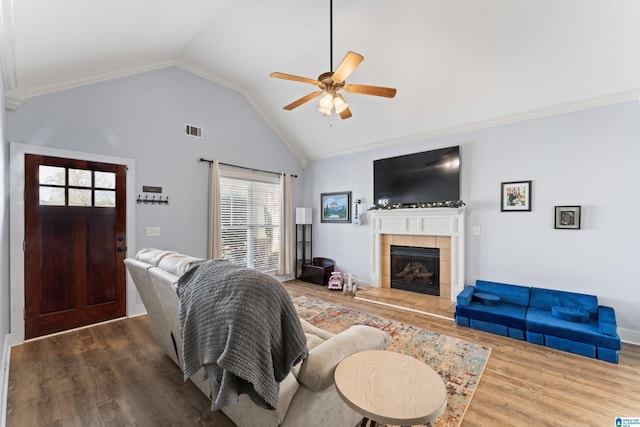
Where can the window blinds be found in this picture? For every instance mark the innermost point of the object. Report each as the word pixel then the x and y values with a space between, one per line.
pixel 250 219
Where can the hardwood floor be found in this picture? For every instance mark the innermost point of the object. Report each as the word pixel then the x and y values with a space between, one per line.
pixel 113 374
pixel 412 301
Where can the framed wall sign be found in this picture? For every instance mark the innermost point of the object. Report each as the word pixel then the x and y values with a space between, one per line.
pixel 335 207
pixel 515 196
pixel 567 217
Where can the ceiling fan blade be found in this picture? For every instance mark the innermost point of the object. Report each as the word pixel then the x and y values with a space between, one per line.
pixel 346 67
pixel 285 76
pixel 387 92
pixel 346 113
pixel 302 100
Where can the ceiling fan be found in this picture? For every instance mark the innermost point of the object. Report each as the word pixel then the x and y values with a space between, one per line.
pixel 333 81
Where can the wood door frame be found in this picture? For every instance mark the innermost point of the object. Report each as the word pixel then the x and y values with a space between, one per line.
pixel 17 152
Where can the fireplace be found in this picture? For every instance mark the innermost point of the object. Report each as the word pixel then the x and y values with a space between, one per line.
pixel 442 228
pixel 415 269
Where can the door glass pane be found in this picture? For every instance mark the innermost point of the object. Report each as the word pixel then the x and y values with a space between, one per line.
pixel 51 196
pixel 79 178
pixel 105 199
pixel 79 197
pixel 105 180
pixel 51 175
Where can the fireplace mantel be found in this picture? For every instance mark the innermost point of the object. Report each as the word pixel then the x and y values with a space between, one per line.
pixel 422 222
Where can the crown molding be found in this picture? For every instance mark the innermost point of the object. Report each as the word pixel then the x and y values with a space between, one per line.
pixel 97 78
pixel 615 98
pixel 14 98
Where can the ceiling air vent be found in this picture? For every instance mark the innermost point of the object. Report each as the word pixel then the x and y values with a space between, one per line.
pixel 193 131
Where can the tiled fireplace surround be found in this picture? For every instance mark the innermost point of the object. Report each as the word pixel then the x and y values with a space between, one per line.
pixel 441 242
pixel 441 228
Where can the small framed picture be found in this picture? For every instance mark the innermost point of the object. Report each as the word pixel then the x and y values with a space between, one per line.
pixel 335 207
pixel 515 196
pixel 567 217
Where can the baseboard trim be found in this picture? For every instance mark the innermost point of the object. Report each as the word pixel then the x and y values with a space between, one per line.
pixel 4 377
pixel 137 310
pixel 629 336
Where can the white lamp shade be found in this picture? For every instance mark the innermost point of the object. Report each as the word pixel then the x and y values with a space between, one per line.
pixel 340 103
pixel 303 216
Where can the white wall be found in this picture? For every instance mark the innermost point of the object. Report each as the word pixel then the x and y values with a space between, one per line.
pixel 143 117
pixel 4 252
pixel 586 158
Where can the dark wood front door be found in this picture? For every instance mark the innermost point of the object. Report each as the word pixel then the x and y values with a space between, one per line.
pixel 75 243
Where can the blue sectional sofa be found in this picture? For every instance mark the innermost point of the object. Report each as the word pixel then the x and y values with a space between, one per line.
pixel 562 320
pixel 478 308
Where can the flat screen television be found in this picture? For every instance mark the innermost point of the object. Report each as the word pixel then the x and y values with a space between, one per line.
pixel 427 177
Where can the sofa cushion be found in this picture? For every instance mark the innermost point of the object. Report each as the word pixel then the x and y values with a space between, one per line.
pixel 465 296
pixel 512 294
pixel 509 315
pixel 317 369
pixel 152 256
pixel 541 321
pixel 546 298
pixel 246 413
pixel 570 314
pixel 607 321
pixel 575 347
pixel 177 264
pixel 486 299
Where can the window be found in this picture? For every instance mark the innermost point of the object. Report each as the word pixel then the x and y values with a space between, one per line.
pixel 60 186
pixel 250 218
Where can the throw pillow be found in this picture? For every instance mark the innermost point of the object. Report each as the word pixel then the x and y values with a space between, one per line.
pixel 486 299
pixel 571 314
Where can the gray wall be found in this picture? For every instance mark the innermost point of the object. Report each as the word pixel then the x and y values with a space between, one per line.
pixel 142 117
pixel 4 226
pixel 586 158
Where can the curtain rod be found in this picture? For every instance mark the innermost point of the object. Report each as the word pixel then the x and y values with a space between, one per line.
pixel 244 167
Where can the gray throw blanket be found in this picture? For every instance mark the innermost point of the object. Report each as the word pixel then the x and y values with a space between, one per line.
pixel 241 325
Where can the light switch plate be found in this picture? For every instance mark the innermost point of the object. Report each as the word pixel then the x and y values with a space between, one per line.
pixel 153 231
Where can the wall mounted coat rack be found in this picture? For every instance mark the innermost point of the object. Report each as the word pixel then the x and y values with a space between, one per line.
pixel 153 200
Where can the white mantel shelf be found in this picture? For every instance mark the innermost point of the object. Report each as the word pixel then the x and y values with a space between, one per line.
pixel 422 222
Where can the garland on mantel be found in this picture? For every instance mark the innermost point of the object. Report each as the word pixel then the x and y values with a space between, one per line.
pixel 447 204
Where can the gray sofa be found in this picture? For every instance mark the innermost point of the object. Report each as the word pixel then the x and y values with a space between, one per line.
pixel 307 395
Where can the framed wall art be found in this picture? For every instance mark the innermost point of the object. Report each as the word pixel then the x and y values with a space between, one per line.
pixel 335 207
pixel 567 217
pixel 515 196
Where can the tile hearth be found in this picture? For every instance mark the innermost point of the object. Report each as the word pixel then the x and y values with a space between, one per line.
pixel 412 301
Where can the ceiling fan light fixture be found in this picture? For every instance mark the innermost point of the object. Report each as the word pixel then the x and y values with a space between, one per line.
pixel 339 103
pixel 325 111
pixel 326 104
pixel 326 101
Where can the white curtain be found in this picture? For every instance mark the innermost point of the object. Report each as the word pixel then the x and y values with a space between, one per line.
pixel 214 250
pixel 285 265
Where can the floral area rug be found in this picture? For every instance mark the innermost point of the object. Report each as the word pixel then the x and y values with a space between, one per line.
pixel 460 363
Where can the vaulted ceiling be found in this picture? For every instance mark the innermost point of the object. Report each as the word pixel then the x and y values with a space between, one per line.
pixel 457 64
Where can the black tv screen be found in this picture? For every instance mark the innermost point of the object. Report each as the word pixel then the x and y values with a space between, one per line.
pixel 430 176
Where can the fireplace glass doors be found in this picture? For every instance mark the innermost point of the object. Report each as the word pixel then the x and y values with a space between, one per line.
pixel 415 269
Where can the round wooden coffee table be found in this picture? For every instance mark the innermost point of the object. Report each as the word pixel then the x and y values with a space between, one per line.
pixel 391 388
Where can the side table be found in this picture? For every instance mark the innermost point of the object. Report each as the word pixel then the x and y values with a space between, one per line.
pixel 390 388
